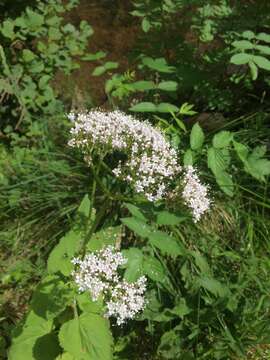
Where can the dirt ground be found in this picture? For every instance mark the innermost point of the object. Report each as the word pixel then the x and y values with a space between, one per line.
pixel 114 33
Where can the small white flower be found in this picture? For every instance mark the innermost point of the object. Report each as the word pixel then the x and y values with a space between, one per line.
pixel 195 194
pixel 98 274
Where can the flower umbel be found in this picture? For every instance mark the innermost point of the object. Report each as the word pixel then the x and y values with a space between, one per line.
pixel 98 274
pixel 151 162
pixel 195 194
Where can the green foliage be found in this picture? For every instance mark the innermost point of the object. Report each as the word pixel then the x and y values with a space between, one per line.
pixel 87 337
pixel 37 44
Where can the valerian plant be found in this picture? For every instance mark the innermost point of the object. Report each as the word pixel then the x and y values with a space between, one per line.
pixel 88 279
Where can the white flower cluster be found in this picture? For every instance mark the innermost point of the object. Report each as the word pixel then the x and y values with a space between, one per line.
pixel 97 273
pixel 195 194
pixel 151 162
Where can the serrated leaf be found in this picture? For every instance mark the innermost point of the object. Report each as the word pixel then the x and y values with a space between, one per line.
pixel 222 139
pixel 134 266
pixel 241 59
pixel 214 286
pixel 87 305
pixel 51 297
pixel 60 258
pixel 196 137
pixel 225 182
pixel 28 55
pixel 24 340
pixel 137 225
pixel 144 107
pixel 87 337
pixel 135 211
pixel 107 236
pixel 241 150
pixel 168 85
pixel 169 218
pixel 166 108
pixel 166 244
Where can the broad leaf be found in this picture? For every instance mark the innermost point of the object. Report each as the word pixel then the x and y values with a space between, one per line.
pixel 87 337
pixel 138 226
pixel 196 137
pixel 144 107
pixel 241 59
pixel 134 266
pixel 106 236
pixel 168 218
pixel 60 258
pixel 166 244
pixel 222 139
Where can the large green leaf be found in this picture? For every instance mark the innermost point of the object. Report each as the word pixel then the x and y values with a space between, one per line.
pixel 60 258
pixel 168 218
pixel 51 297
pixel 134 266
pixel 196 137
pixel 261 62
pixel 222 139
pixel 138 226
pixel 166 244
pixel 166 108
pixel 144 107
pixel 168 85
pixel 106 236
pixel 87 337
pixel 241 59
pixel 25 338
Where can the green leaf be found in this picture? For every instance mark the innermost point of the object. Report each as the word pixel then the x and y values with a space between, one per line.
pixel 241 59
pixel 222 139
pixel 109 65
pixel 7 29
pixel 143 85
pixel 134 266
pixel 138 226
pixel 34 20
pixel 28 55
pixel 93 57
pixel 51 297
pixel 253 70
pixel 144 107
pixel 201 263
pixel 166 108
pixel 146 25
pixel 225 182
pixel 135 211
pixel 241 150
pixel 25 338
pixel 154 269
pixel 243 45
pixel 60 258
pixel 84 207
pixel 159 65
pixel 248 35
pixel 196 137
pixel 107 236
pixel 65 356
pixel 87 337
pixel 263 37
pixel 263 49
pixel 87 305
pixel 214 286
pixel 166 244
pixel 46 347
pixel 168 218
pixel 168 85
pixel 181 309
pixel 261 62
pixel 188 158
